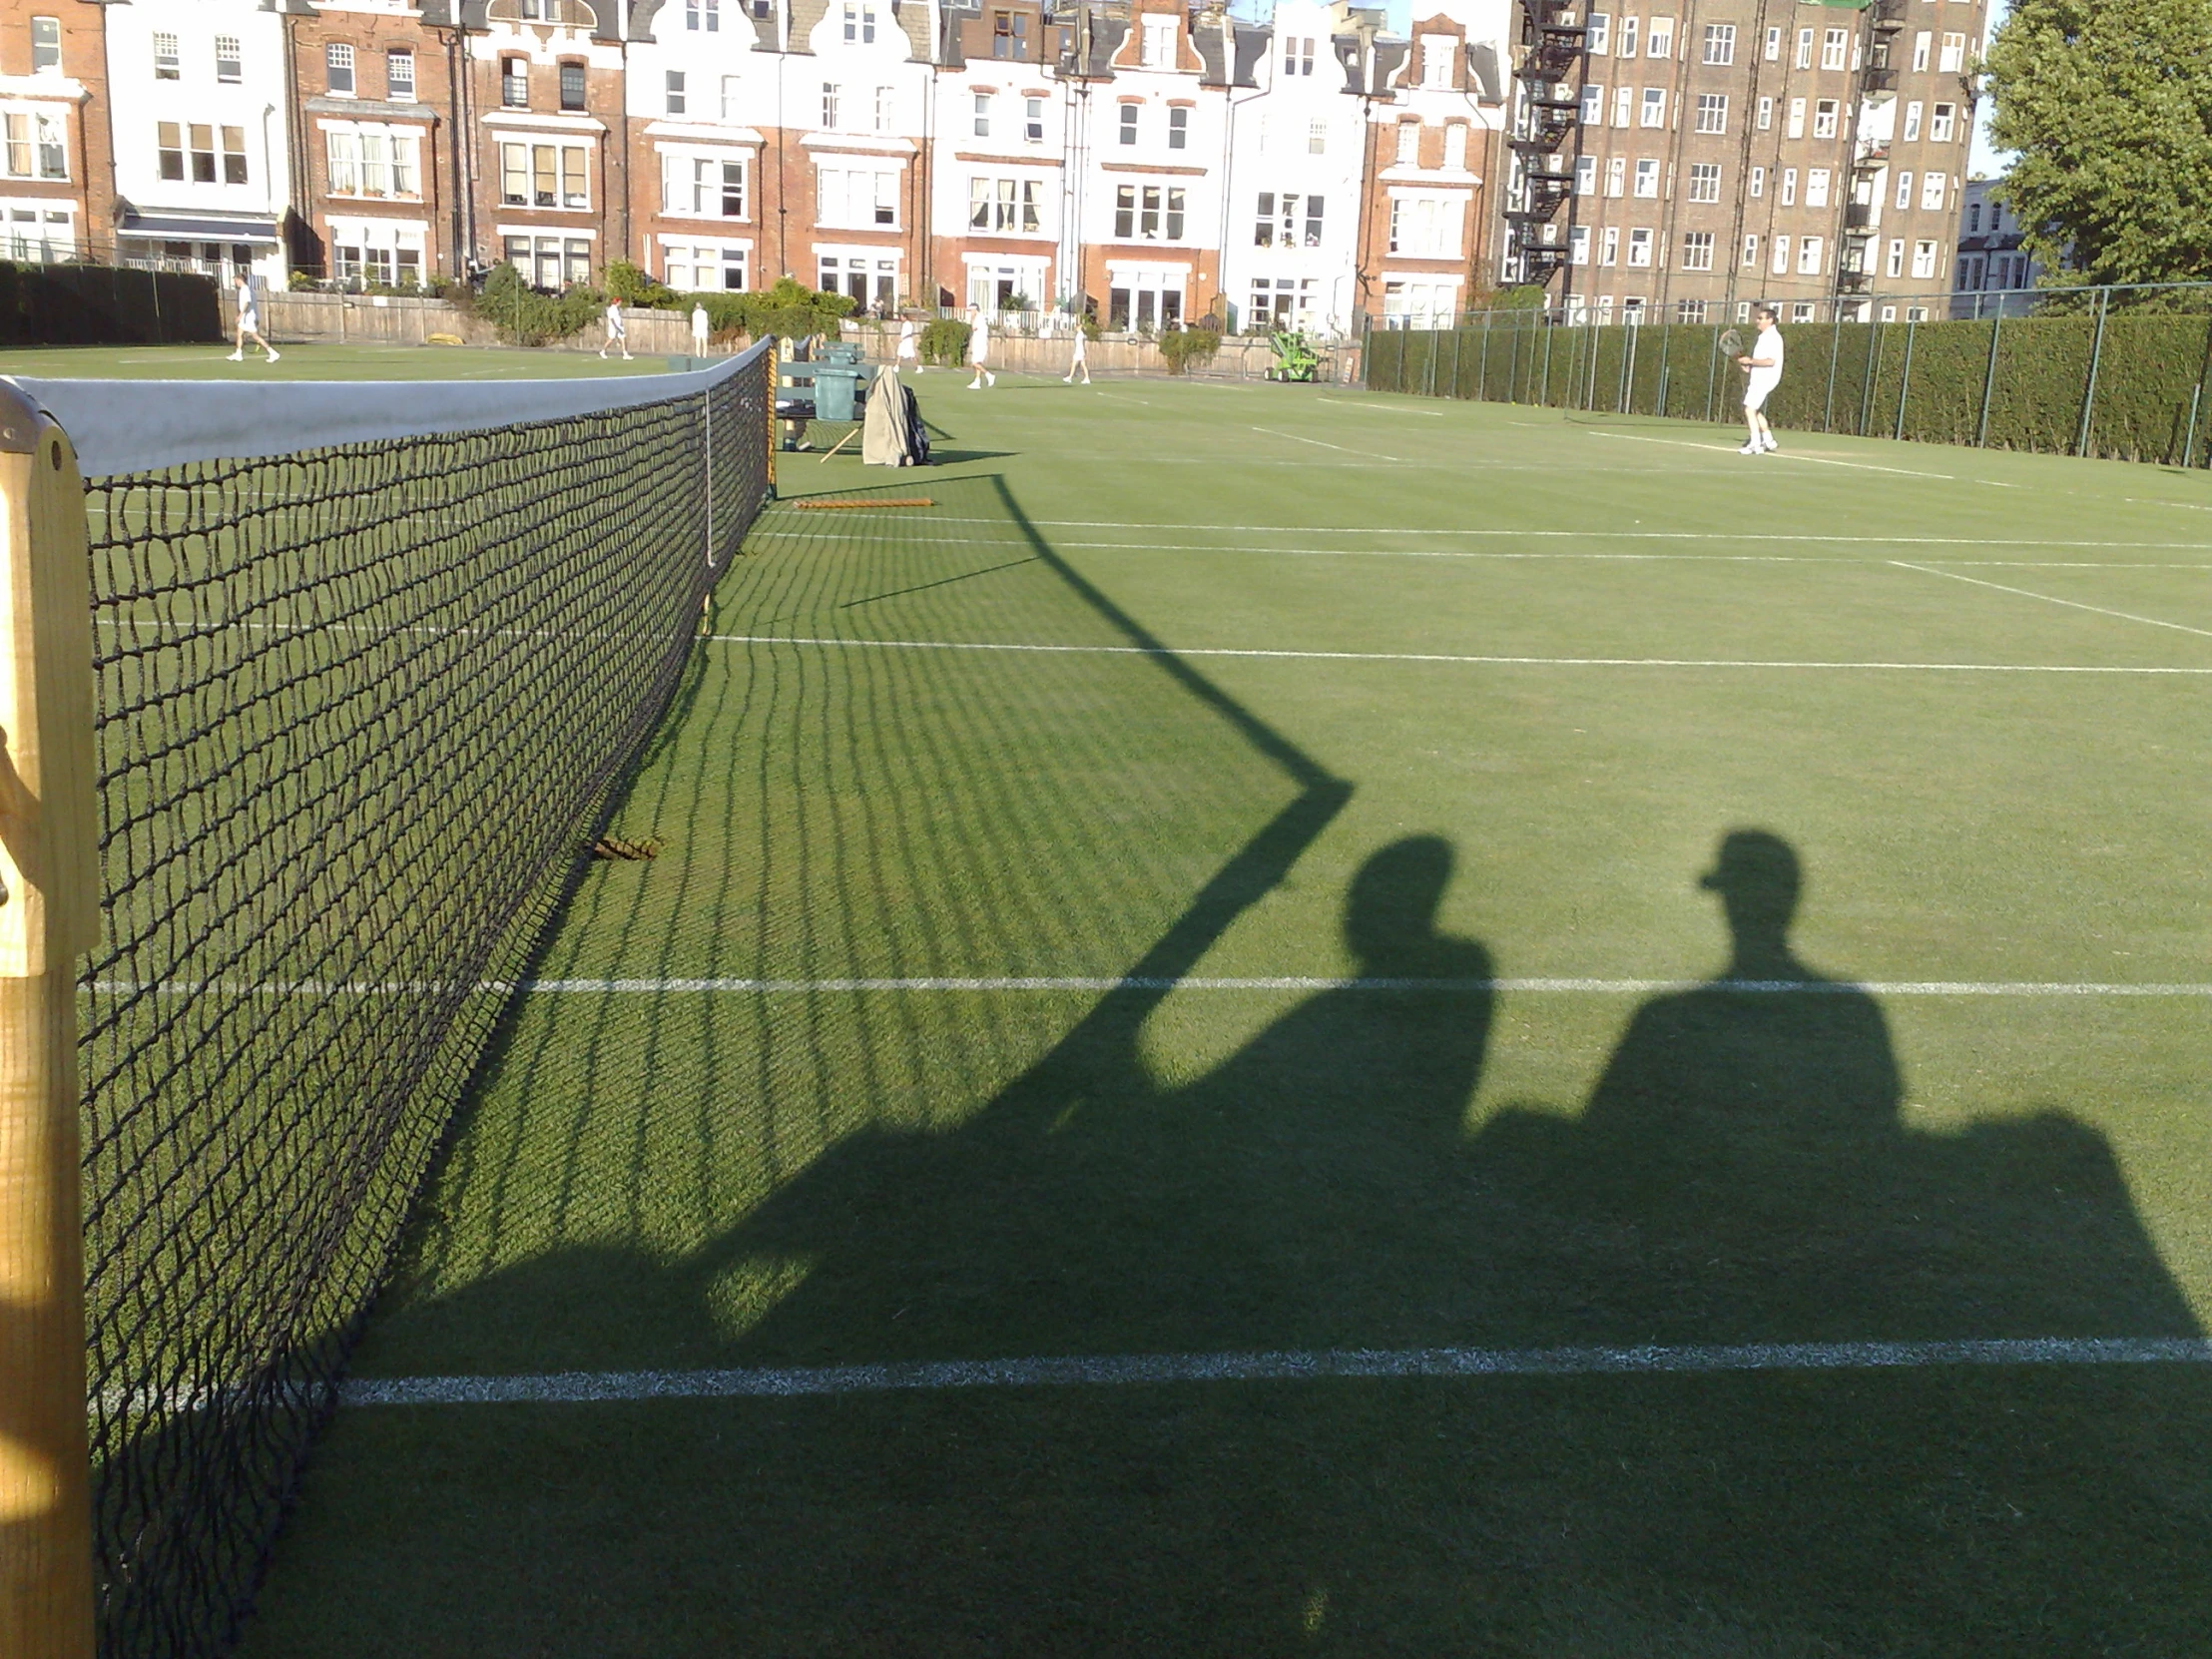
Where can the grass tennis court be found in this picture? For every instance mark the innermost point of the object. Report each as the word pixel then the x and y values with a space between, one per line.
pixel 1226 882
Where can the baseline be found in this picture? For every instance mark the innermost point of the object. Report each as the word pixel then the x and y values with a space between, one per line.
pixel 2049 599
pixel 1288 1366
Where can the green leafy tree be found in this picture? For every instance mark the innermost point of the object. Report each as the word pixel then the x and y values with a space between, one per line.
pixel 634 287
pixel 2108 104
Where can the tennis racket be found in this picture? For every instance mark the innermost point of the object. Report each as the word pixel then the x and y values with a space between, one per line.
pixel 1731 344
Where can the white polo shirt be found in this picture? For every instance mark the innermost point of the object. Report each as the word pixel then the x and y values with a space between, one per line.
pixel 1763 381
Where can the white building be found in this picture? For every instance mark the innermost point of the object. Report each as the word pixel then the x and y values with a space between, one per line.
pixel 201 103
pixel 1002 231
pixel 1994 272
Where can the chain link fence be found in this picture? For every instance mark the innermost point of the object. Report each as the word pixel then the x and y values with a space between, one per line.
pixel 2117 372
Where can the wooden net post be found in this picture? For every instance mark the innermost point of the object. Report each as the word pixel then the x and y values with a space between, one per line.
pixel 49 861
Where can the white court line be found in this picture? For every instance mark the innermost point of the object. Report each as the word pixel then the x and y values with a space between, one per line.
pixel 1281 1365
pixel 789 523
pixel 1442 657
pixel 2070 604
pixel 1779 454
pixel 1339 448
pixel 1392 408
pixel 2185 506
pixel 1299 984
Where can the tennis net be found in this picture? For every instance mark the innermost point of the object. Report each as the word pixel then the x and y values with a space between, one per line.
pixel 363 707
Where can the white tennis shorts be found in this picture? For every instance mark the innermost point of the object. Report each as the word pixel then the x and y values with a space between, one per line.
pixel 1755 394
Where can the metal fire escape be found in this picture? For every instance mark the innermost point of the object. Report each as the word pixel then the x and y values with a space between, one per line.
pixel 1870 160
pixel 1544 142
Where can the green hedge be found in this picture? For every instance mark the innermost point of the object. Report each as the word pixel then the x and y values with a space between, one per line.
pixel 94 304
pixel 1925 381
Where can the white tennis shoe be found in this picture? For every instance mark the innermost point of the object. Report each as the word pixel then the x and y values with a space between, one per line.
pixel 1752 449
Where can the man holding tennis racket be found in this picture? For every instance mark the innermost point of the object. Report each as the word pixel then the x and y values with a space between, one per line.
pixel 1764 364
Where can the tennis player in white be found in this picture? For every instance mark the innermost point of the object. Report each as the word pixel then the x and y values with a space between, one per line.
pixel 909 355
pixel 979 349
pixel 617 332
pixel 1764 361
pixel 250 323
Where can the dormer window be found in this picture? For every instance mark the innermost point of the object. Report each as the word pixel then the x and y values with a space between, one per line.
pixel 1436 60
pixel 1009 35
pixel 703 16
pixel 1159 43
pixel 860 23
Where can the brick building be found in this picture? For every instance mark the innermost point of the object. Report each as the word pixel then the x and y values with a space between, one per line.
pixel 1002 227
pixel 1746 150
pixel 57 169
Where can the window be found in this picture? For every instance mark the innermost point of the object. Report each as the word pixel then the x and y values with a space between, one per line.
pixel 1009 35
pixel 46 46
pixel 1409 144
pixel 399 77
pixel 1895 264
pixel 1773 46
pixel 1789 187
pixel 830 96
pixel 703 16
pixel 1298 55
pixel 702 270
pixel 1600 33
pixel 1693 310
pixel 1287 220
pixel 1719 43
pixel 230 60
pixel 1809 256
pixel 544 174
pixel 1954 58
pixel 675 93
pixel 1796 127
pixel 1973 219
pixel 1711 112
pixel 1436 60
pixel 1655 105
pixel 1616 175
pixel 1766 113
pixel 1931 193
pixel 703 187
pixel 1148 213
pixel 1834 46
pixel 1751 252
pixel 1758 181
pixel 1578 245
pixel 201 152
pixel 1032 120
pixel 1004 204
pixel 1697 252
pixel 1179 127
pixel 373 160
pixel 1824 118
pixel 1661 36
pixel 1604 308
pixel 1287 303
pixel 857 200
pixel 733 96
pixel 1912 122
pixel 1801 311
pixel 572 87
pixel 234 155
pixel 1624 104
pixel 1609 246
pixel 168 64
pixel 1593 106
pixel 1924 258
pixel 1705 186
pixel 1159 42
pixel 1780 264
pixel 1424 226
pixel 1805 49
pixel 1639 249
pixel 1921 43
pixel 514 84
pixel 1585 175
pixel 1632 307
pixel 338 65
pixel 550 261
pixel 1629 26
pixel 1316 137
pixel 860 23
pixel 1905 191
pixel 1939 126
pixel 1815 188
pixel 1128 122
pixel 168 137
pixel 1647 180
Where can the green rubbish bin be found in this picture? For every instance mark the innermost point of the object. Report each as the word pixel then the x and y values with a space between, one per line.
pixel 836 390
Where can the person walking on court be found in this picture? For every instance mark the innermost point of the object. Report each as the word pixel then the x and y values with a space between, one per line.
pixel 1080 361
pixel 249 322
pixel 1764 361
pixel 909 356
pixel 699 329
pixel 979 349
pixel 618 333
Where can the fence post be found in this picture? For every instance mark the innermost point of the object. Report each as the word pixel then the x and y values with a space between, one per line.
pixel 1989 381
pixel 1866 384
pixel 1905 378
pixel 2189 449
pixel 1835 345
pixel 1454 392
pixel 2096 354
pixel 49 862
pixel 1482 369
pixel 1712 372
pixel 1665 340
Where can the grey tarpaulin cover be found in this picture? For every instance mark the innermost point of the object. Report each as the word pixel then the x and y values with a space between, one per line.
pixel 892 434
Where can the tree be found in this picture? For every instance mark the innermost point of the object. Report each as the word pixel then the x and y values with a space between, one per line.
pixel 2108 104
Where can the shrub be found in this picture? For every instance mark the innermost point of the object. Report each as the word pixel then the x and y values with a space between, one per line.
pixel 524 317
pixel 634 287
pixel 1180 348
pixel 794 311
pixel 946 341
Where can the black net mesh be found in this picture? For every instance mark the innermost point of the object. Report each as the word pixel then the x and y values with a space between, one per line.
pixel 360 710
